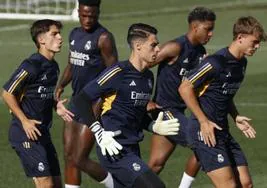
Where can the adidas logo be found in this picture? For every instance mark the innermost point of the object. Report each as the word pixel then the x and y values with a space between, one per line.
pixel 228 75
pixel 72 42
pixel 186 60
pixel 132 83
pixel 44 77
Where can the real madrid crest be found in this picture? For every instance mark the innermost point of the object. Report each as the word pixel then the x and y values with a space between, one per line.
pixel 87 45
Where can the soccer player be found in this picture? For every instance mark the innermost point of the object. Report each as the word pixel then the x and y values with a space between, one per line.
pixel 29 95
pixel 176 58
pixel 126 88
pixel 91 49
pixel 208 92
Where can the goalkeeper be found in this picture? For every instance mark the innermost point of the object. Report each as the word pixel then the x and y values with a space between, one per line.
pixel 126 88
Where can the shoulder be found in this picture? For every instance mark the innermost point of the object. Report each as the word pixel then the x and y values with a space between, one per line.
pixel 73 31
pixel 170 49
pixel 106 36
pixel 31 64
pixel 215 60
pixel 181 40
pixel 111 75
pixel 114 70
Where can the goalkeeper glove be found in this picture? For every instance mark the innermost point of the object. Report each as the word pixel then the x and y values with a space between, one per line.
pixel 165 127
pixel 105 139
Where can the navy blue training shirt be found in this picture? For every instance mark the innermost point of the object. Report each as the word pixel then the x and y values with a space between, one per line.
pixel 85 56
pixel 216 82
pixel 33 83
pixel 170 76
pixel 125 92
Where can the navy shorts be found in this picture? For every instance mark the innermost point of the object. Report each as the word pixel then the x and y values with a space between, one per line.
pixel 126 167
pixel 38 159
pixel 181 138
pixel 74 110
pixel 227 151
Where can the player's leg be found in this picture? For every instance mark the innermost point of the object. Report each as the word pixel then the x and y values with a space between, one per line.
pixel 84 144
pixel 53 164
pixel 39 161
pixel 129 170
pixel 86 141
pixel 223 177
pixel 243 177
pixel 57 181
pixel 192 166
pixel 72 173
pixel 43 182
pixel 148 180
pixel 191 170
pixel 240 164
pixel 160 150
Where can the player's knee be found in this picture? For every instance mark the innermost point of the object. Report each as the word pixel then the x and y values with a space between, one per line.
pixel 229 183
pixel 44 182
pixel 148 180
pixel 156 165
pixel 247 183
pixel 80 161
pixel 68 156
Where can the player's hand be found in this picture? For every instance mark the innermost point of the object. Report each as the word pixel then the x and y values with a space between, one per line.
pixel 165 127
pixel 207 132
pixel 58 92
pixel 152 106
pixel 105 139
pixel 30 128
pixel 205 55
pixel 62 111
pixel 243 124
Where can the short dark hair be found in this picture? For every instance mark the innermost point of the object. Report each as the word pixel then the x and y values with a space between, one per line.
pixel 201 14
pixel 140 31
pixel 90 2
pixel 42 26
pixel 249 25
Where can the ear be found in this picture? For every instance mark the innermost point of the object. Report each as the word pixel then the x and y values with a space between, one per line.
pixel 138 45
pixel 41 39
pixel 194 25
pixel 239 37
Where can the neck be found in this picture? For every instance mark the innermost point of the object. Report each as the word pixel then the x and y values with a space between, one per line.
pixel 137 62
pixel 192 38
pixel 48 54
pixel 235 51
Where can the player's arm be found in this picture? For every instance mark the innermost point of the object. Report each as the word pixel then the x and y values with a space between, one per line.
pixel 242 122
pixel 64 81
pixel 168 52
pixel 14 88
pixel 107 82
pixel 107 46
pixel 187 91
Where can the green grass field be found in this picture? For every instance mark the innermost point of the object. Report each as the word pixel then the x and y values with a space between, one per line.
pixel 251 100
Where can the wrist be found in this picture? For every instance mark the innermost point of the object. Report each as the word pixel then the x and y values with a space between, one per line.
pixel 95 127
pixel 23 119
pixel 202 121
pixel 150 127
pixel 60 87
